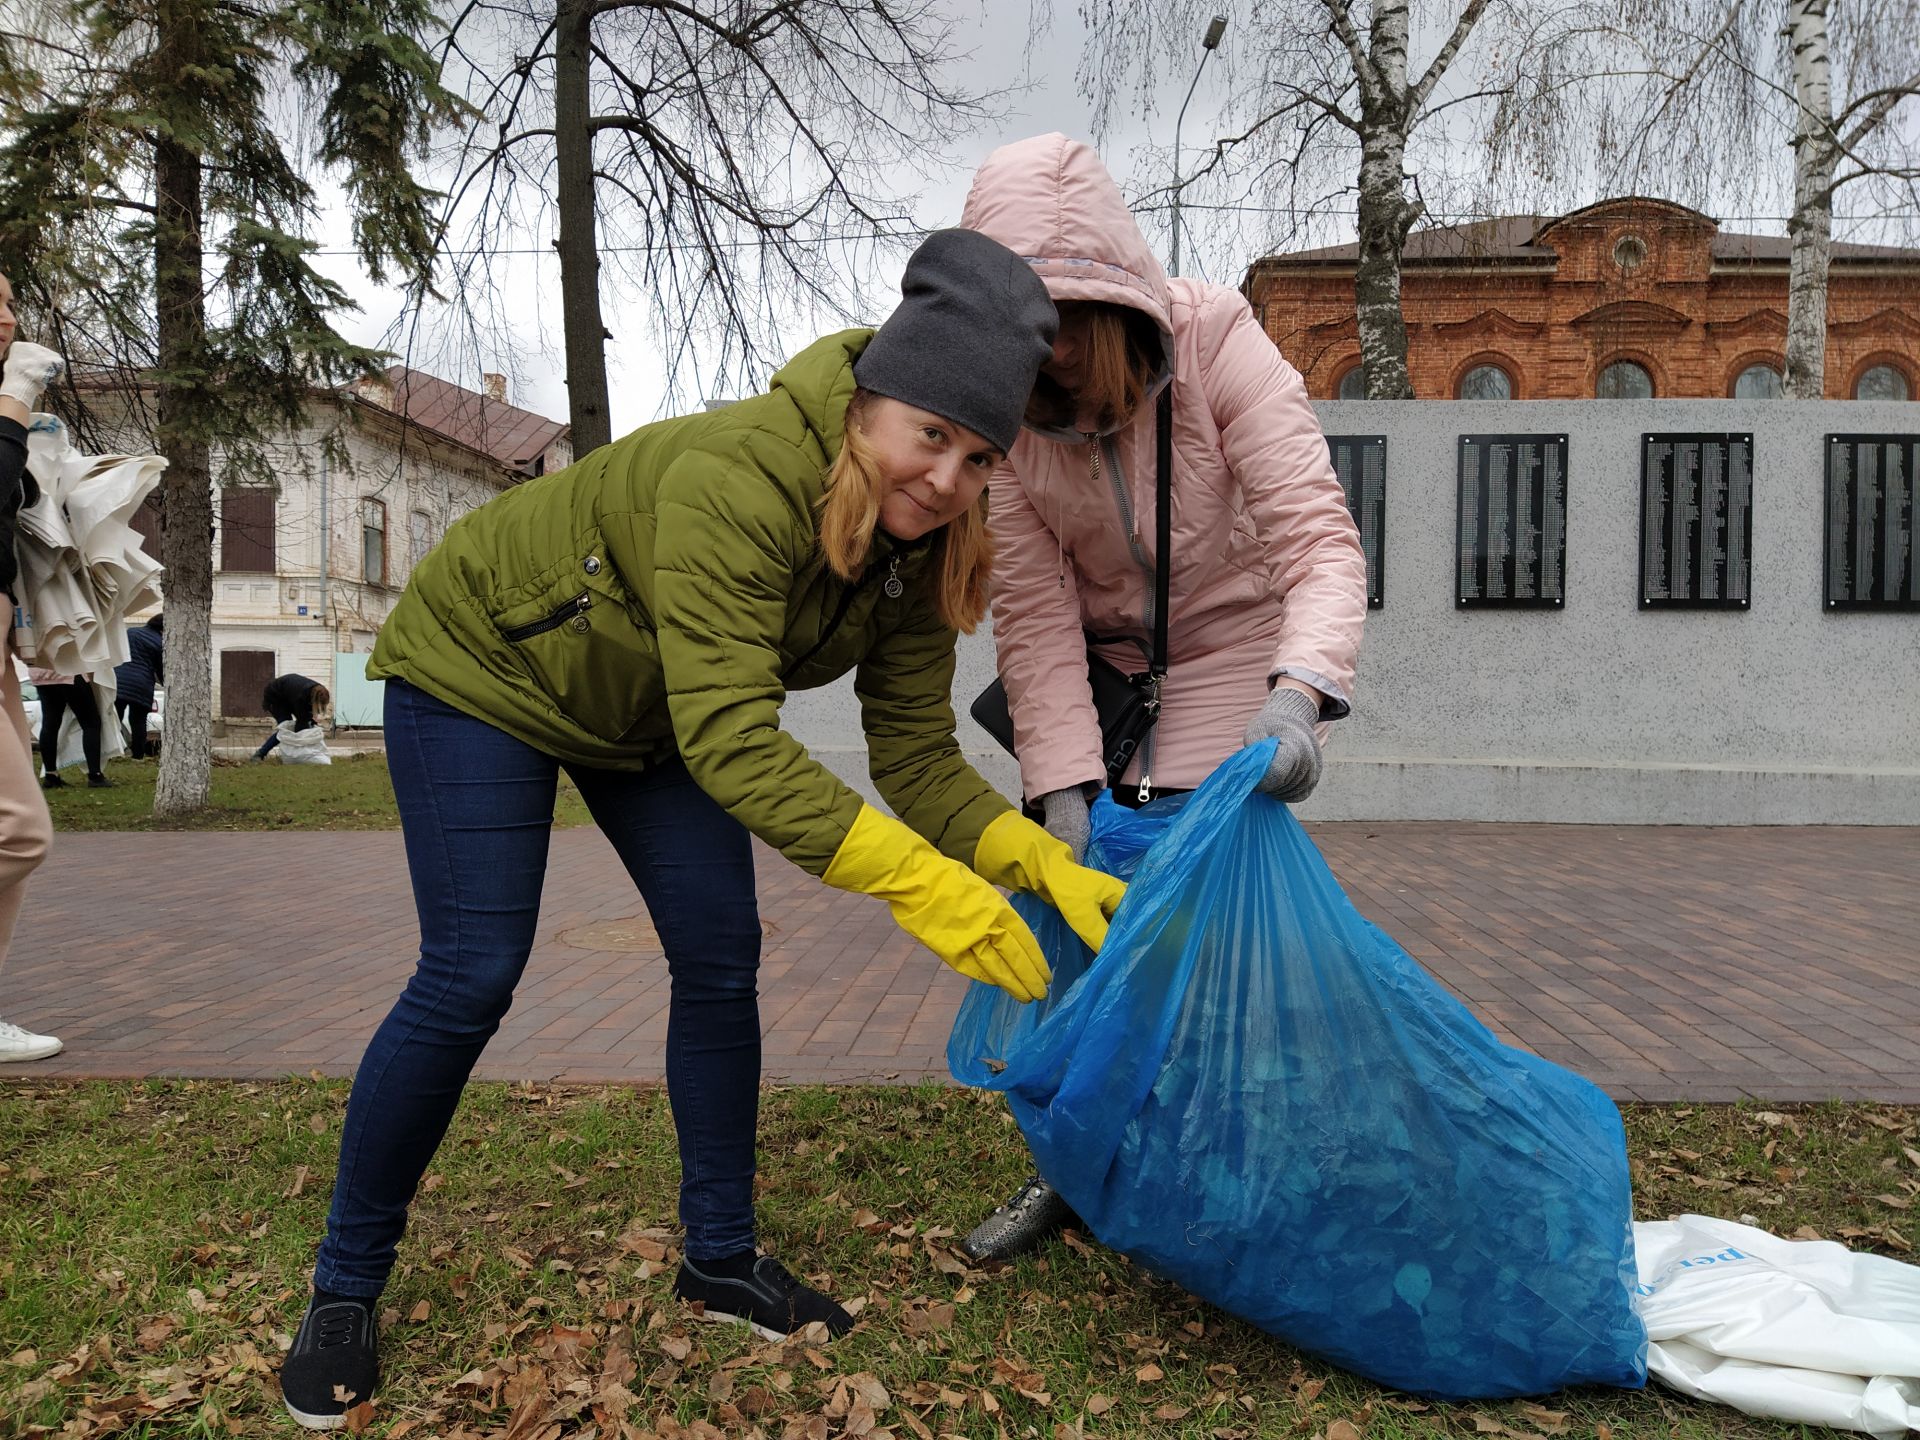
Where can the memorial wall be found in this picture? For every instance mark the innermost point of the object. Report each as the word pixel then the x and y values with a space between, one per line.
pixel 1651 612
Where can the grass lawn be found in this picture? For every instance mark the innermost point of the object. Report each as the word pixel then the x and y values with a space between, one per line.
pixel 353 793
pixel 155 1242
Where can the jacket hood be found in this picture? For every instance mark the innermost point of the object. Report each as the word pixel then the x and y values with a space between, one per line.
pixel 1051 201
pixel 819 381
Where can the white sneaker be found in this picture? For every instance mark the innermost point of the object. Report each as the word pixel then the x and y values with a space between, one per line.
pixel 18 1044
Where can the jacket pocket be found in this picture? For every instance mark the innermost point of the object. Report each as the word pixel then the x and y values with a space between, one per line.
pixel 584 648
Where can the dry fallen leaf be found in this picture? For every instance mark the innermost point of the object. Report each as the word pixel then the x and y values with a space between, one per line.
pixel 1552 1422
pixel 1099 1404
pixel 1179 1412
pixel 419 1312
pixel 1485 1424
pixel 1149 1373
pixel 1343 1430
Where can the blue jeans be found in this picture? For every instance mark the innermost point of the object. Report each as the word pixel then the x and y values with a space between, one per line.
pixel 476 807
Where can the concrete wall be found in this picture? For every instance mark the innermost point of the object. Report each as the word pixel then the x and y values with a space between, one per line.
pixel 1598 712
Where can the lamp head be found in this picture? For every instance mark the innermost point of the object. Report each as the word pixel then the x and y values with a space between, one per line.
pixel 1215 30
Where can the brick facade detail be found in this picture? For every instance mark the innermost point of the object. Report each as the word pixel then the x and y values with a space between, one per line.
pixel 1553 301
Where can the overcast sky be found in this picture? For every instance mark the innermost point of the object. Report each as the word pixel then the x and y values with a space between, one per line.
pixel 994 32
pixel 637 383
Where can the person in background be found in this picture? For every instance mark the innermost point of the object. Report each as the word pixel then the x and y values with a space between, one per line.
pixel 26 830
pixel 134 681
pixel 58 695
pixel 295 698
pixel 1268 582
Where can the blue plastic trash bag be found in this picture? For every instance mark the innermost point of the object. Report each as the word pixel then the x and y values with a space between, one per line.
pixel 1257 1094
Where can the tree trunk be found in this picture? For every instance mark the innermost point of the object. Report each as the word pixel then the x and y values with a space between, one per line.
pixel 186 497
pixel 1385 214
pixel 1811 228
pixel 1385 217
pixel 579 253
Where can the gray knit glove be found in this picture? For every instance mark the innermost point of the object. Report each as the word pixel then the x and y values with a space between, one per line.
pixel 28 370
pixel 1069 819
pixel 1288 716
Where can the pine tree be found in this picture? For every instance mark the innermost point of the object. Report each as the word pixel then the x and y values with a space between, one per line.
pixel 158 164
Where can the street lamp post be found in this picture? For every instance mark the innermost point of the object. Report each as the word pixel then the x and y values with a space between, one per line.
pixel 1208 44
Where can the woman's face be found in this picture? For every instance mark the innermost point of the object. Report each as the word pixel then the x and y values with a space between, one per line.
pixel 7 321
pixel 932 469
pixel 1067 367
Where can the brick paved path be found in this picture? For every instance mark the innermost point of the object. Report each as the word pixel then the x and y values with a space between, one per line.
pixel 1662 963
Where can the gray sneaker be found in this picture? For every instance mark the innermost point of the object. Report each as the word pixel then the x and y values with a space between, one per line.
pixel 1035 1212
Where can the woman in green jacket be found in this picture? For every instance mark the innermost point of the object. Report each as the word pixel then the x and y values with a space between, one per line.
pixel 636 619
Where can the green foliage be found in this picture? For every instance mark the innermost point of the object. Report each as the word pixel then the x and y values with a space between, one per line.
pixel 268 97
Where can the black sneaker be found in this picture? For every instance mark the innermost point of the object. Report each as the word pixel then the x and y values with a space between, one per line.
pixel 758 1291
pixel 1035 1213
pixel 333 1355
pixel 99 782
pixel 51 781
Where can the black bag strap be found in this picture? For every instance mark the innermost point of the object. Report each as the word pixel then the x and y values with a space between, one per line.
pixel 1163 529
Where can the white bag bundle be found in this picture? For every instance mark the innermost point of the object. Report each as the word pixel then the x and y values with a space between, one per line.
pixel 1802 1330
pixel 301 747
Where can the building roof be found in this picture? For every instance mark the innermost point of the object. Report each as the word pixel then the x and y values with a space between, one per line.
pixel 513 437
pixel 1515 239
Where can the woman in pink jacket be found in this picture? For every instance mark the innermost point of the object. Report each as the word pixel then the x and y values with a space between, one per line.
pixel 1268 583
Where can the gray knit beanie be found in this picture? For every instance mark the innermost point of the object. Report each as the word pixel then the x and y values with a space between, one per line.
pixel 973 327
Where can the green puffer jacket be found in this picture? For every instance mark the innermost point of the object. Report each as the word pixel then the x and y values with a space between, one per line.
pixel 663 594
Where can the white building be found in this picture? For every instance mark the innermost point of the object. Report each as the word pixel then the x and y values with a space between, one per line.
pixel 310 569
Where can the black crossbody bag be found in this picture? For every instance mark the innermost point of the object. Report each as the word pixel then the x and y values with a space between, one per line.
pixel 1126 704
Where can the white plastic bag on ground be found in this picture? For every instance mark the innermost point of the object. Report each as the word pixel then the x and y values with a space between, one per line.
pixel 1802 1330
pixel 301 747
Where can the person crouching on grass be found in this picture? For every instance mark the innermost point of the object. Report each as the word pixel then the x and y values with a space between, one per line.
pixel 637 619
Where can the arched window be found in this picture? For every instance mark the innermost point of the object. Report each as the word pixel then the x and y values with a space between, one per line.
pixel 1624 380
pixel 1486 382
pixel 1882 382
pixel 1353 384
pixel 1758 382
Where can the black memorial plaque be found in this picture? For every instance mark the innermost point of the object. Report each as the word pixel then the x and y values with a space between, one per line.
pixel 1871 502
pixel 1360 462
pixel 1696 521
pixel 1511 531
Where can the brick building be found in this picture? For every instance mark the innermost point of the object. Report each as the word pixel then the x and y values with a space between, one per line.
pixel 1625 299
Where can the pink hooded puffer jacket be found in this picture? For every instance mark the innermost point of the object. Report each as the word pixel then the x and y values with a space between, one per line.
pixel 1267 577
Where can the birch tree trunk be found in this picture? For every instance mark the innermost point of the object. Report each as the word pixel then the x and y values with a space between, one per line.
pixel 186 503
pixel 1385 217
pixel 1384 214
pixel 1811 227
pixel 574 201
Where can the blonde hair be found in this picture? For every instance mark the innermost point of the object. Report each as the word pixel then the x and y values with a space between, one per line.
pixel 1122 348
pixel 850 511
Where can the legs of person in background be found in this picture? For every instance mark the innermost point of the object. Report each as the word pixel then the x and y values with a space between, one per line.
pixel 25 833
pixel 136 718
pixel 54 702
pixel 280 717
pixel 86 711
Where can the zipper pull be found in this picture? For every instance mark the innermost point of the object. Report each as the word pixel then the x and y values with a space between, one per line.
pixel 894 587
pixel 1146 788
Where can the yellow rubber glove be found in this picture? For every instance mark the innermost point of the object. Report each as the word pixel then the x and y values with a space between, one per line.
pixel 941 903
pixel 1020 855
